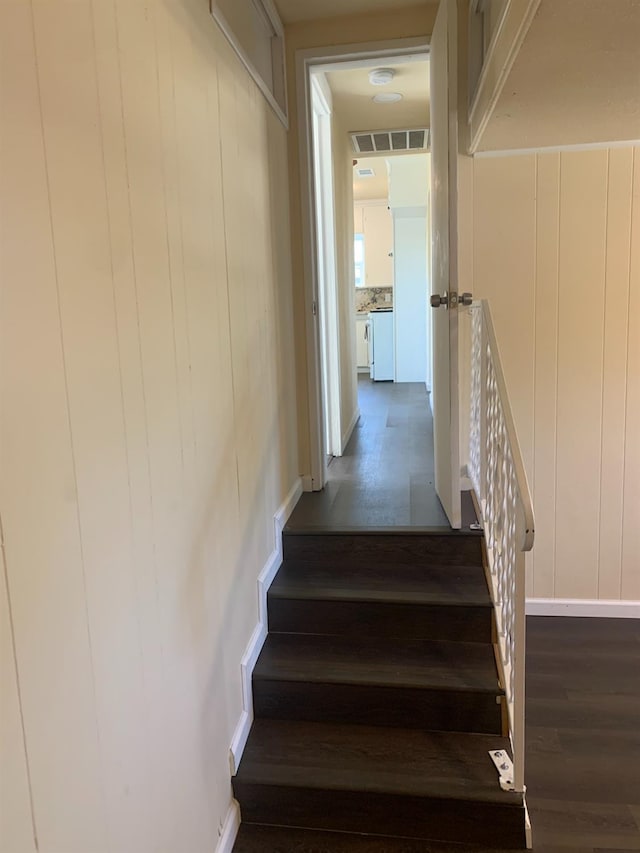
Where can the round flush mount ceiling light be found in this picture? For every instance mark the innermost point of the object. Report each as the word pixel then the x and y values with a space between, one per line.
pixel 387 98
pixel 381 76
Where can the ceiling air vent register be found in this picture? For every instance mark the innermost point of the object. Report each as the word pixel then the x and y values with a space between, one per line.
pixel 389 141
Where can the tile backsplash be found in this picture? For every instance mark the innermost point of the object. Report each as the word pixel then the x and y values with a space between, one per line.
pixel 368 298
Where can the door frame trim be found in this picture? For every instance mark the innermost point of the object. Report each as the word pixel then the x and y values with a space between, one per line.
pixel 325 234
pixel 306 60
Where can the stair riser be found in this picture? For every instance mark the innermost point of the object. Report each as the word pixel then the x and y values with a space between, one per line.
pixel 258 838
pixel 383 814
pixel 353 549
pixel 434 710
pixel 380 619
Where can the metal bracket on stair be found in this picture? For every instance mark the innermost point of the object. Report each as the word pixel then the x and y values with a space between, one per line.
pixel 504 766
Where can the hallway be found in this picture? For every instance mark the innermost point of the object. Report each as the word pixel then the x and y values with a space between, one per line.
pixel 386 476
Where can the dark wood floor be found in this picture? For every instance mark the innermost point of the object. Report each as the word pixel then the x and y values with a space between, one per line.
pixel 385 478
pixel 583 733
pixel 583 675
pixel 583 748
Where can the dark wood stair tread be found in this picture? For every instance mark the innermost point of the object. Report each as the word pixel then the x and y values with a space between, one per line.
pixel 382 662
pixel 446 585
pixel 400 762
pixel 256 838
pixel 393 546
pixel 399 531
pixel 375 700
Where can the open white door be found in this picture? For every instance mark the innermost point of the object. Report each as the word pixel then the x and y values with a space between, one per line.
pixel 444 258
pixel 326 270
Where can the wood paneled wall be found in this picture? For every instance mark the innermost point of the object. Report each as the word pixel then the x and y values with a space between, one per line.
pixel 148 422
pixel 556 248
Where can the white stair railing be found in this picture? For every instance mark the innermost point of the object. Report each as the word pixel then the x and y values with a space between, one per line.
pixel 499 480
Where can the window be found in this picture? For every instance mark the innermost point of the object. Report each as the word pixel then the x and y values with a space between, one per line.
pixel 255 32
pixel 358 254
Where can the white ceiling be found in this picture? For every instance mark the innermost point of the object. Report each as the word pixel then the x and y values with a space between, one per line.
pixel 308 10
pixel 370 188
pixel 575 80
pixel 352 94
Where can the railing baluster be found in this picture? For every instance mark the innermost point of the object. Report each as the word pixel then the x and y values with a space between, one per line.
pixel 483 449
pixel 518 714
pixel 500 483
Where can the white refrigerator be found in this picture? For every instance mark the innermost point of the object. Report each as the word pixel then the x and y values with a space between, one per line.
pixel 381 349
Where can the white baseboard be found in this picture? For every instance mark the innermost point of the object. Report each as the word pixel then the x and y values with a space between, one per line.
pixel 583 607
pixel 229 830
pixel 252 652
pixel 307 483
pixel 527 826
pixel 349 430
pixel 285 509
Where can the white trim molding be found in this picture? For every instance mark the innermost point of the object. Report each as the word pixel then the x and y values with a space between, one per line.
pixel 263 11
pixel 611 608
pixel 229 829
pixel 497 64
pixel 554 149
pixel 328 314
pixel 527 826
pixel 252 652
pixel 349 430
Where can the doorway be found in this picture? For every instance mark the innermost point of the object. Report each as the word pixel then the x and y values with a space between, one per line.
pixel 332 373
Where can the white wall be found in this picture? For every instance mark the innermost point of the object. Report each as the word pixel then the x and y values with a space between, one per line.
pixel 410 293
pixel 148 416
pixel 556 249
pixel 409 181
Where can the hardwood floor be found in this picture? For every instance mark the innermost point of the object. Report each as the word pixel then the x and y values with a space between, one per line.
pixel 583 749
pixel 583 733
pixel 583 675
pixel 385 478
pixel 376 695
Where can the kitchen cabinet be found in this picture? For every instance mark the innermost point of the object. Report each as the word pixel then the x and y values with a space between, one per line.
pixel 362 345
pixel 378 246
pixel 381 348
pixel 374 221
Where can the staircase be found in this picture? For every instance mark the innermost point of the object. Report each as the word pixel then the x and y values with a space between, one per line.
pixel 376 700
